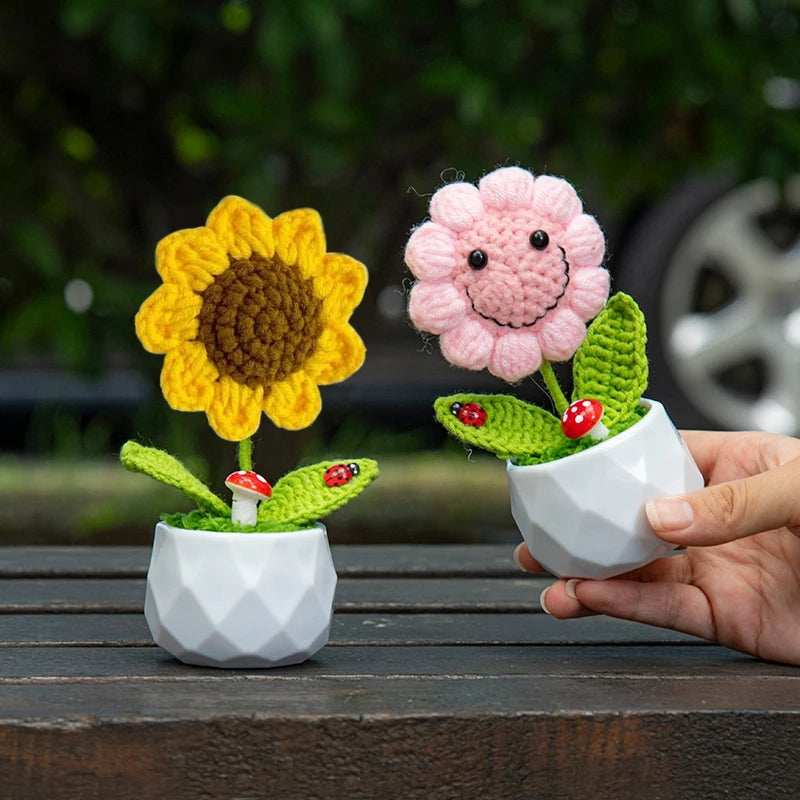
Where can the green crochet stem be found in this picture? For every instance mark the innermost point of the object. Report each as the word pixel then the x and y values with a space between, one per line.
pixel 551 382
pixel 246 455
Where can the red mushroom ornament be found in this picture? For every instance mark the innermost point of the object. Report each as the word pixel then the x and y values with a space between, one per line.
pixel 248 489
pixel 583 418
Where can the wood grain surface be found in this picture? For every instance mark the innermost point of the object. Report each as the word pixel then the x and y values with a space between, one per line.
pixel 442 679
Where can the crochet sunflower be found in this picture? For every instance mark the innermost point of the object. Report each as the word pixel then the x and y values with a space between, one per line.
pixel 253 316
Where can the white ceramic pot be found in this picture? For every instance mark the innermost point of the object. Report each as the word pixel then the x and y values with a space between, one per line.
pixel 240 599
pixel 583 516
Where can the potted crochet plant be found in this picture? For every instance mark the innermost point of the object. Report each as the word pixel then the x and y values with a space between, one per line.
pixel 509 273
pixel 251 317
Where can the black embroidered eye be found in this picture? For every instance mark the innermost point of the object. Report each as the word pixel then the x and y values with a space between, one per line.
pixel 477 259
pixel 539 240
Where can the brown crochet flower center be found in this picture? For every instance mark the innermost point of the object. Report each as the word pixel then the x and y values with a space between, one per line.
pixel 260 321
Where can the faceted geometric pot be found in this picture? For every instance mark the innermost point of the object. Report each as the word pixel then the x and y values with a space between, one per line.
pixel 583 516
pixel 243 600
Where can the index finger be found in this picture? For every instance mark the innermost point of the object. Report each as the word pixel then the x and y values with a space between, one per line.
pixel 525 561
pixel 705 447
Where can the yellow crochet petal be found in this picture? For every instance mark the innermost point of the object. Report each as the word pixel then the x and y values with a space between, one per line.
pixel 187 378
pixel 242 228
pixel 191 258
pixel 168 317
pixel 235 410
pixel 293 403
pixel 339 353
pixel 300 240
pixel 341 283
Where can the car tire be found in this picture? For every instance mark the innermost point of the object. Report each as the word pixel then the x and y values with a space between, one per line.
pixel 715 268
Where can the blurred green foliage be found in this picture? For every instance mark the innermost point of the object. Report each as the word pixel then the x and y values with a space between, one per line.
pixel 124 120
pixel 428 497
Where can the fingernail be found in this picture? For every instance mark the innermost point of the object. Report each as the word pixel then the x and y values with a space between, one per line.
pixel 570 587
pixel 669 514
pixel 542 602
pixel 516 556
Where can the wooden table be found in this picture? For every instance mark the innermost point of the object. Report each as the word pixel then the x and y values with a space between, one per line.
pixel 442 679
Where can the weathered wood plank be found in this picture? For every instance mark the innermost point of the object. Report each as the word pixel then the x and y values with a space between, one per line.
pixel 357 629
pixel 55 595
pixel 494 629
pixel 693 756
pixel 351 561
pixel 174 692
pixel 491 560
pixel 259 713
pixel 409 700
pixel 467 595
pixel 73 561
pixel 703 664
pixel 126 595
pixel 56 630
pixel 499 754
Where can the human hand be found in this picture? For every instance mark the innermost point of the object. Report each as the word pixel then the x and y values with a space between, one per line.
pixel 738 581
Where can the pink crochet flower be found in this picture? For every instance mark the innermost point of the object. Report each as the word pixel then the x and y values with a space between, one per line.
pixel 508 272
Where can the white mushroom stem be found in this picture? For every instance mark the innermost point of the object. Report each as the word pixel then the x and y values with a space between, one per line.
pixel 243 509
pixel 598 432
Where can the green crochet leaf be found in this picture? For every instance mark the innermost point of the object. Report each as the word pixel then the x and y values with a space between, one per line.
pixel 510 427
pixel 302 497
pixel 167 469
pixel 611 364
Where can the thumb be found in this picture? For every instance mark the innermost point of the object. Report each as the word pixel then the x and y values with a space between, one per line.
pixel 728 511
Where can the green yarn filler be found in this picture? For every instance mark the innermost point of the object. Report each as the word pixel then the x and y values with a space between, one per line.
pixel 567 447
pixel 609 366
pixel 198 521
pixel 298 500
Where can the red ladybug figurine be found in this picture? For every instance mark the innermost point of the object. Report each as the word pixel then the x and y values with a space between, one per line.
pixel 340 474
pixel 470 414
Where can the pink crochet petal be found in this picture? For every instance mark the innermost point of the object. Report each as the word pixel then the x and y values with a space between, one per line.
pixel 467 345
pixel 435 307
pixel 431 252
pixel 515 356
pixel 457 205
pixel 507 188
pixel 555 199
pixel 584 242
pixel 589 289
pixel 561 334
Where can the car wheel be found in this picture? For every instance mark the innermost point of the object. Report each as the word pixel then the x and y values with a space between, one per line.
pixel 716 269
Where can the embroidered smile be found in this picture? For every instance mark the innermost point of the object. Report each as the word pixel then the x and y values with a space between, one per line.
pixel 543 314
